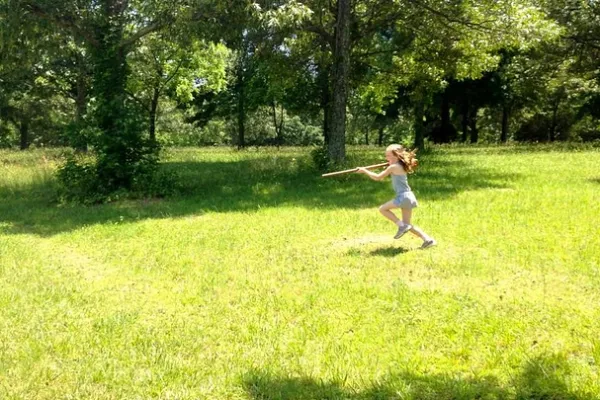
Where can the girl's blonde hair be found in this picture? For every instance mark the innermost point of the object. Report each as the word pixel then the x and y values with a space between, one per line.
pixel 408 158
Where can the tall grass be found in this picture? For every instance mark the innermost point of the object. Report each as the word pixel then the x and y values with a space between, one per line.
pixel 262 280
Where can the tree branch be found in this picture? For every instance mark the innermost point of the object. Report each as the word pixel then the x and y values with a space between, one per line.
pixel 586 41
pixel 64 21
pixel 320 31
pixel 374 25
pixel 393 50
pixel 472 25
pixel 138 100
pixel 173 74
pixel 154 26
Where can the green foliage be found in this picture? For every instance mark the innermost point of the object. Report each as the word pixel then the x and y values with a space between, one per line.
pixel 295 131
pixel 80 135
pixel 301 132
pixel 153 181
pixel 230 61
pixel 586 129
pixel 7 136
pixel 320 158
pixel 180 67
pixel 80 182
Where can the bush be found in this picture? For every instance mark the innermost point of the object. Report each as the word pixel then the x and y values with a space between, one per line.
pixel 153 181
pixel 79 182
pixel 320 158
pixel 539 128
pixel 586 129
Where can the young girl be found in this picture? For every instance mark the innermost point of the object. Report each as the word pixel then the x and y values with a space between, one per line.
pixel 401 162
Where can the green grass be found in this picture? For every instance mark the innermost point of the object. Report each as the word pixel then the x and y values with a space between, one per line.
pixel 264 281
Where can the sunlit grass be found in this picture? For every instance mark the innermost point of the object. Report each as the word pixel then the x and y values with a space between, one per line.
pixel 262 280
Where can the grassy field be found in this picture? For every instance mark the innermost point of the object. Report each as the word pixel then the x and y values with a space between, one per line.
pixel 262 280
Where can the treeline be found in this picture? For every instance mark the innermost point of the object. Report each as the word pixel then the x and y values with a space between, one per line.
pixel 122 77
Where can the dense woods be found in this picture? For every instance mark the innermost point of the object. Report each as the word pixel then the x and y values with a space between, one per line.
pixel 121 78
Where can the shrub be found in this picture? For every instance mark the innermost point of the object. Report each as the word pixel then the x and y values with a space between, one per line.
pixel 80 182
pixel 320 158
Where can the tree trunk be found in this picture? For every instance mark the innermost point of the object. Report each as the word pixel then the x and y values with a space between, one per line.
pixel 80 142
pixel 24 134
pixel 473 126
pixel 380 135
pixel 281 123
pixel 120 145
pixel 153 108
pixel 552 132
pixel 504 133
pixel 241 111
pixel 278 126
pixel 325 101
pixel 444 132
pixel 465 119
pixel 418 125
pixel 274 115
pixel 341 67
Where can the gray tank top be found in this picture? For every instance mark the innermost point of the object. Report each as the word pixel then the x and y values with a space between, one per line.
pixel 400 183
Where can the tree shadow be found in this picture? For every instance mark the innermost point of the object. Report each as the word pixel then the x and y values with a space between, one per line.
pixel 244 185
pixel 516 148
pixel 542 378
pixel 546 377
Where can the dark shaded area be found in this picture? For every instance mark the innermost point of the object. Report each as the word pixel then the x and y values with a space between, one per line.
pixel 521 148
pixel 246 185
pixel 390 251
pixel 542 378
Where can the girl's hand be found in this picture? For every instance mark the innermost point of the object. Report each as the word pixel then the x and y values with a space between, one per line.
pixel 361 170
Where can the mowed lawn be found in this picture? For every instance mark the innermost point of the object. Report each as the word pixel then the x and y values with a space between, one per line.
pixel 262 280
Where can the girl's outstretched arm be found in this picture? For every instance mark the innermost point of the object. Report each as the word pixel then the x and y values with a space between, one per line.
pixel 373 175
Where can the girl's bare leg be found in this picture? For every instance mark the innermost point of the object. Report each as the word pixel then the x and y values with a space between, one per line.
pixel 403 227
pixel 419 233
pixel 406 216
pixel 385 210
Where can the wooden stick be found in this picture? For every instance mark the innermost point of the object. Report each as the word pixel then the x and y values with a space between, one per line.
pixel 347 171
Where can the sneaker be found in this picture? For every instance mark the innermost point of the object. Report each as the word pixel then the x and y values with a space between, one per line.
pixel 402 230
pixel 428 243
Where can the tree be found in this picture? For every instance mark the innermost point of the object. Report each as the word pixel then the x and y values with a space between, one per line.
pixel 30 93
pixel 173 66
pixel 255 32
pixel 110 29
pixel 341 71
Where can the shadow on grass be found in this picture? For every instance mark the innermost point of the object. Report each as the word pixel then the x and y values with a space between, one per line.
pixel 517 148
pixel 244 185
pixel 542 378
pixel 390 251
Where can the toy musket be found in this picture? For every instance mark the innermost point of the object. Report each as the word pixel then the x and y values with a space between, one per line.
pixel 347 171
